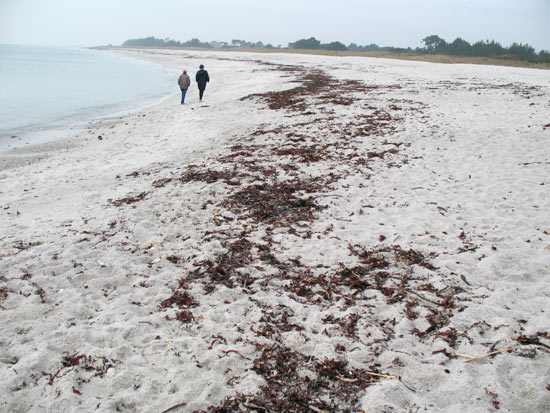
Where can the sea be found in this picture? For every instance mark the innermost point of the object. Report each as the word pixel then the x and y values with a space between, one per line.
pixel 46 92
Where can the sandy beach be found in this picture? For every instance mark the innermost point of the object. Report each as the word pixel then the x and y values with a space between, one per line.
pixel 319 234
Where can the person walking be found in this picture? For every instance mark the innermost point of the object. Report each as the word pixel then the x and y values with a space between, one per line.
pixel 202 79
pixel 184 82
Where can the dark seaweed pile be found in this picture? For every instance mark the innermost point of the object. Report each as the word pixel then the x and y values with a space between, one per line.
pixel 263 185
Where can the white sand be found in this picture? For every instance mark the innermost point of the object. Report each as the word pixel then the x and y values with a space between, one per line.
pixel 466 186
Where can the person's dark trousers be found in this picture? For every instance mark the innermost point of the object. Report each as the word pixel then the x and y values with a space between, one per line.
pixel 183 92
pixel 201 92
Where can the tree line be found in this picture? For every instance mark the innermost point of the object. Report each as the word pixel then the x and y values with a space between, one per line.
pixel 459 47
pixel 154 42
pixel 433 44
pixel 167 42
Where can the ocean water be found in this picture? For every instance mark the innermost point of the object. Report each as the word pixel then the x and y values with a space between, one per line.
pixel 48 88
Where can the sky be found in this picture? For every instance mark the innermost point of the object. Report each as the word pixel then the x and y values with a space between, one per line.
pixel 398 23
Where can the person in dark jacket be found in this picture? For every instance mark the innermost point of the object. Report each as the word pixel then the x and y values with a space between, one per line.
pixel 202 79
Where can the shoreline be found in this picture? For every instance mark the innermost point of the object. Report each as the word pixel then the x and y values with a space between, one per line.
pixel 443 59
pixel 69 125
pixel 368 232
pixel 70 135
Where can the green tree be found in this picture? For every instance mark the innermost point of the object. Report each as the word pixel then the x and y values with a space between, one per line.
pixel 371 47
pixel 337 46
pixel 146 41
pixel 523 51
pixel 434 44
pixel 459 47
pixel 311 43
pixel 486 48
pixel 544 56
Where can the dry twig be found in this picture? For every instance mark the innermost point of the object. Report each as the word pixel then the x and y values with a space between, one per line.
pixel 492 353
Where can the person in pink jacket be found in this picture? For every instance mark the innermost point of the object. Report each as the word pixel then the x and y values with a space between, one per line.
pixel 184 82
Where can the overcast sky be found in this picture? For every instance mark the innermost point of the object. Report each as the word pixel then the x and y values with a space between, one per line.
pixel 399 23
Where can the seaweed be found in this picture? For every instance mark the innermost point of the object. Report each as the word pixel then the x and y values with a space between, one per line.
pixel 298 383
pixel 129 199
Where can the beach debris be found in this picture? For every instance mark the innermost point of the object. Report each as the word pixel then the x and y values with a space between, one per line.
pixel 296 382
pixel 275 203
pixel 183 301
pixel 494 398
pixel 182 404
pixel 24 245
pixel 40 292
pixel 180 299
pixel 129 199
pixel 265 192
pixel 302 307
pixel 209 175
pixel 4 293
pixel 492 353
pixel 534 339
pixel 184 316
pixel 82 368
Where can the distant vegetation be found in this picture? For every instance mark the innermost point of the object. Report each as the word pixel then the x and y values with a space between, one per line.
pixel 433 44
pixel 154 42
pixel 459 47
pixel 312 43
